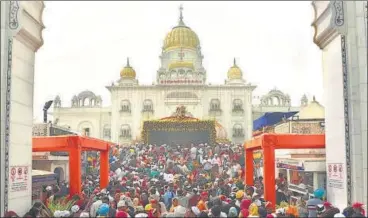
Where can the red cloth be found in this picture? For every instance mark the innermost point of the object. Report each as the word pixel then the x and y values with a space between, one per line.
pixel 359 205
pixel 245 203
pixel 245 212
pixel 121 214
pixel 204 194
pixel 193 201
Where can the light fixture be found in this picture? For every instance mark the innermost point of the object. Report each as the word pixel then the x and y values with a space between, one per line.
pixel 45 108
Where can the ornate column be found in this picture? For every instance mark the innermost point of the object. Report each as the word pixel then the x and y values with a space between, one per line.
pixel 21 36
pixel 339 32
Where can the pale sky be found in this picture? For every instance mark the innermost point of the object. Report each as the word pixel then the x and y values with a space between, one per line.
pixel 86 45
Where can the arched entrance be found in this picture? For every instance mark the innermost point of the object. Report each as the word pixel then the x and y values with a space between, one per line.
pixel 60 176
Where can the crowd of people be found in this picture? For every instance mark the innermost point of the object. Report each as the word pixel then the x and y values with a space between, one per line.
pixel 183 181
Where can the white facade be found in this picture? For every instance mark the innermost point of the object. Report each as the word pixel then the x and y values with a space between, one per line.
pixel 21 37
pixel 181 80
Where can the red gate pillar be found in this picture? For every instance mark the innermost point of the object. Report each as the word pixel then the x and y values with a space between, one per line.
pixel 75 176
pixel 249 168
pixel 269 173
pixel 104 169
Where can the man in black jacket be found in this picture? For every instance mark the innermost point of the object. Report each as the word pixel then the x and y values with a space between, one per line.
pixel 280 195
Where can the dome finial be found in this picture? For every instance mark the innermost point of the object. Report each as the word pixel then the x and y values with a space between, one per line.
pixel 234 62
pixel 314 98
pixel 128 65
pixel 181 22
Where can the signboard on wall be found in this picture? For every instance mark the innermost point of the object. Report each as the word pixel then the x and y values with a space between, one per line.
pixel 290 166
pixel 335 175
pixel 19 177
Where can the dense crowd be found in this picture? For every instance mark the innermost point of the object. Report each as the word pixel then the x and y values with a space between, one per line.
pixel 182 181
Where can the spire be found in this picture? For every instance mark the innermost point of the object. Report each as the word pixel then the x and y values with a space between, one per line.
pixel 127 63
pixel 181 22
pixel 234 62
pixel 314 98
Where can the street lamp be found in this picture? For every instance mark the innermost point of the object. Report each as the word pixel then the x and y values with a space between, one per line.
pixel 45 108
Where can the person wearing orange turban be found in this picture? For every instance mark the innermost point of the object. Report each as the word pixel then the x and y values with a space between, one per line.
pixel 201 206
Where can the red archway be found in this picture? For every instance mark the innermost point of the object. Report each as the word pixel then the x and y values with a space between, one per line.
pixel 268 143
pixel 75 145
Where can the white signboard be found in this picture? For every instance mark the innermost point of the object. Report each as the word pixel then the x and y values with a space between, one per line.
pixel 19 177
pixel 335 175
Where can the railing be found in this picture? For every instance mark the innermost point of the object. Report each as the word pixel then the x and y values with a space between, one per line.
pixel 238 110
pixel 296 188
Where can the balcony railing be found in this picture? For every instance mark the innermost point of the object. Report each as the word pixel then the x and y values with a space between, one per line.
pixel 299 189
pixel 147 110
pixel 238 135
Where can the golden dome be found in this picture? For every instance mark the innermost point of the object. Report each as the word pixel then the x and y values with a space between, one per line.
pixel 181 36
pixel 127 72
pixel 234 72
pixel 180 64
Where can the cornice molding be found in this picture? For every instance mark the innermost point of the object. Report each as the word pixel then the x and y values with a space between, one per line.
pixel 329 21
pixel 22 23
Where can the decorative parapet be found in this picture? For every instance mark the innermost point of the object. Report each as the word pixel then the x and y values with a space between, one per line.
pixel 329 21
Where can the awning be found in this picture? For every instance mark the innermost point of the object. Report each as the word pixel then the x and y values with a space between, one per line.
pixel 271 118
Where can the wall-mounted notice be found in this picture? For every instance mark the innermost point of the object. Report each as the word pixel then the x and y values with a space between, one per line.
pixel 19 176
pixel 335 175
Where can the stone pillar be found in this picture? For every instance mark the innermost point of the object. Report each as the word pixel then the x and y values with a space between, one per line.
pixel 21 36
pixel 340 32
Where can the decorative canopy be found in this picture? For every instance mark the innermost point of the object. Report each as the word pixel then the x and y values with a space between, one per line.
pixel 181 114
pixel 269 119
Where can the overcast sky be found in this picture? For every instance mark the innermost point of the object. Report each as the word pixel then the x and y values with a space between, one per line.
pixel 86 45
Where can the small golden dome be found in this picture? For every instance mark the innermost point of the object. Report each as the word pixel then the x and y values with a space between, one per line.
pixel 181 36
pixel 234 72
pixel 127 72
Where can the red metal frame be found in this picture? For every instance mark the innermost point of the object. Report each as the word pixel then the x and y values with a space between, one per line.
pixel 75 145
pixel 269 143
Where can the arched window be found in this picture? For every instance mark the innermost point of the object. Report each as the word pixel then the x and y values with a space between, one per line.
pixel 125 131
pixel 125 106
pixel 270 102
pixel 86 102
pixel 237 105
pixel 276 101
pixel 147 105
pixel 238 130
pixel 215 105
pixel 173 74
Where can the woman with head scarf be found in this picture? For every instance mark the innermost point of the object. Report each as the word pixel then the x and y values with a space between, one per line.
pixel 233 212
pixel 245 203
pixel 244 213
pixel 253 210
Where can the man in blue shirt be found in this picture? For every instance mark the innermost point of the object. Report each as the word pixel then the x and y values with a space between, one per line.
pixel 313 202
pixel 168 196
